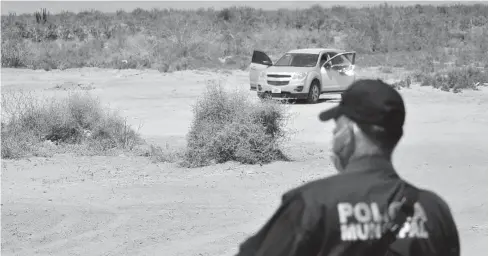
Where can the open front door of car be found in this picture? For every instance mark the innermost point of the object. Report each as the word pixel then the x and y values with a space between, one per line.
pixel 343 69
pixel 260 61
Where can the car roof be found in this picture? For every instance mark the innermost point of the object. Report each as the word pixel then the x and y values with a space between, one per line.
pixel 315 50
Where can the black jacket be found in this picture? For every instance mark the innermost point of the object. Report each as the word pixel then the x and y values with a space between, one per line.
pixel 349 210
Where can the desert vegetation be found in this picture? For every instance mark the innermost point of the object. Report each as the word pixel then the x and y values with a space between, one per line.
pixel 421 36
pixel 227 126
pixel 453 79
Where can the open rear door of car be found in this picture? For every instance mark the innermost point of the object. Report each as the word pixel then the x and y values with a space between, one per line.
pixel 260 61
pixel 344 70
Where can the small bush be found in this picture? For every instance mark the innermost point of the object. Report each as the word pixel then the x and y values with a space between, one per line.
pixel 228 126
pixel 29 121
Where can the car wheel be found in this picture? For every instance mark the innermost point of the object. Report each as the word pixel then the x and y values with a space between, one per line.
pixel 314 93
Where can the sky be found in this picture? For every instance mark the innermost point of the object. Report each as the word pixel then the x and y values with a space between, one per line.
pixel 20 6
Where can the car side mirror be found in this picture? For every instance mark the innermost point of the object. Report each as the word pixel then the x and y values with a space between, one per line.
pixel 327 65
pixel 267 63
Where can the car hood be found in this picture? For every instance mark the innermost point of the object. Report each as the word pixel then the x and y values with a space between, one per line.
pixel 278 69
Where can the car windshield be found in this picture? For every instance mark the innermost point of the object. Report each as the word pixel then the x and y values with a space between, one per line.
pixel 298 60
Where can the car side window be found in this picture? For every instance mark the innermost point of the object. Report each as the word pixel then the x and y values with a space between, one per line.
pixel 323 59
pixel 259 57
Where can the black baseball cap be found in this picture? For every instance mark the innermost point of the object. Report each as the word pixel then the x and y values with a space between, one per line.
pixel 370 102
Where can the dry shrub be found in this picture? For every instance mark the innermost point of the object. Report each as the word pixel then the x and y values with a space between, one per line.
pixel 228 126
pixel 79 119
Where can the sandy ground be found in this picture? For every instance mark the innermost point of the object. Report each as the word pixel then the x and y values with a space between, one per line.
pixel 125 205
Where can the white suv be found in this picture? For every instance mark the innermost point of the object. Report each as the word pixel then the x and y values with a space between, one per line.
pixel 302 74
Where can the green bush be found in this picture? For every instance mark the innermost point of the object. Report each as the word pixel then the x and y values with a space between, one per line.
pixel 28 121
pixel 229 126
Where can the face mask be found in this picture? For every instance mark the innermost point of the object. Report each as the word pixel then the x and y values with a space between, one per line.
pixel 343 147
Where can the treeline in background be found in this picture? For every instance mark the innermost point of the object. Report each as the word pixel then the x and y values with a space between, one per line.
pixel 420 36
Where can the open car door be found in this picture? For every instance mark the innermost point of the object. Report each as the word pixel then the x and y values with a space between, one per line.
pixel 260 61
pixel 341 67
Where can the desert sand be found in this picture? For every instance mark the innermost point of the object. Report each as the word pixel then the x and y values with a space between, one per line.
pixel 126 205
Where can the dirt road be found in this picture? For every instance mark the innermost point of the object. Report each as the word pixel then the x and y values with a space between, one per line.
pixel 125 205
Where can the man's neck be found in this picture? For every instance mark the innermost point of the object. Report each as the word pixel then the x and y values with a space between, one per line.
pixel 355 157
pixel 369 153
pixel 369 162
pixel 365 148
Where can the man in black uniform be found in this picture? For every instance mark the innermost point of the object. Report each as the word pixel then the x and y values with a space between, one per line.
pixel 366 209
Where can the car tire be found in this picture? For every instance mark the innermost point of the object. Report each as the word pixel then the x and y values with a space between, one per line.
pixel 314 93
